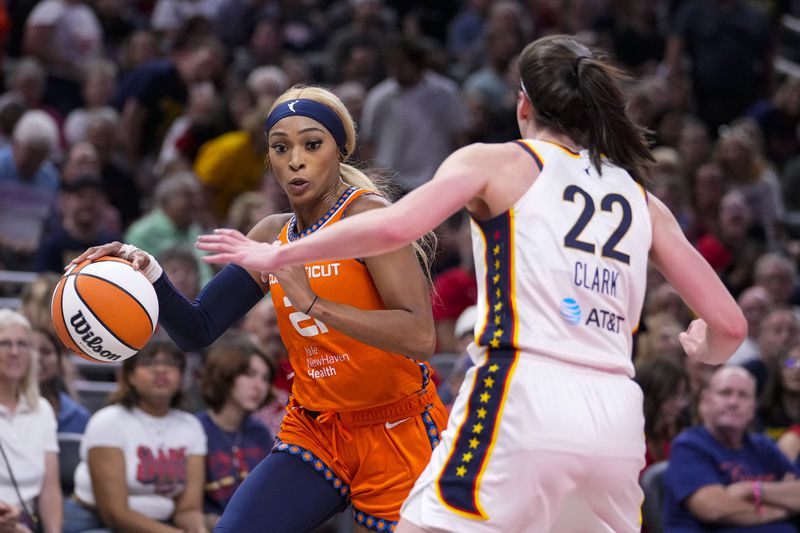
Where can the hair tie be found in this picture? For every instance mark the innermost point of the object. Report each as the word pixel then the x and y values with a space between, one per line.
pixel 312 109
pixel 577 64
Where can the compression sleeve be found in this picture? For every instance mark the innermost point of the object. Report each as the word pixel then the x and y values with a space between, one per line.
pixel 223 301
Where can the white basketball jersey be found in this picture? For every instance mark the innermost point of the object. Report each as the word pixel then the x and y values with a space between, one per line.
pixel 562 274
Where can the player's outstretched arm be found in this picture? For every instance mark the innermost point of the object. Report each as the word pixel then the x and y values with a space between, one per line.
pixel 722 328
pixel 457 181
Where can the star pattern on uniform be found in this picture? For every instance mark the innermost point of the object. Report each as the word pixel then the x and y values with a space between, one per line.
pixel 489 384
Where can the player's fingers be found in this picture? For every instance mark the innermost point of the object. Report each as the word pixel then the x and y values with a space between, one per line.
pixel 213 246
pixel 219 259
pixel 231 234
pixel 94 252
pixel 111 248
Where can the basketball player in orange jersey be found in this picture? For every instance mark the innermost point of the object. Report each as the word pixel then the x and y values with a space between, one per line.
pixel 363 416
pixel 547 432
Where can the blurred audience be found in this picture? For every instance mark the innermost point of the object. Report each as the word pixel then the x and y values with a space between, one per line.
pixel 721 477
pixel 71 416
pixel 29 478
pixel 237 377
pixel 142 461
pixel 665 385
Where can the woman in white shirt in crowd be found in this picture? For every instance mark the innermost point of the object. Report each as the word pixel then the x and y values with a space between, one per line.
pixel 142 460
pixel 29 480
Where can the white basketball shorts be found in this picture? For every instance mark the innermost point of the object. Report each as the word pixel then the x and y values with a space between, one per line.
pixel 536 446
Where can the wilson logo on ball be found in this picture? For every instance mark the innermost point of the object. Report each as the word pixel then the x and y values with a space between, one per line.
pixel 104 310
pixel 81 327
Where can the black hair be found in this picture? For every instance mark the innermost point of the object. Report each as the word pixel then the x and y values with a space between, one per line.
pixel 575 91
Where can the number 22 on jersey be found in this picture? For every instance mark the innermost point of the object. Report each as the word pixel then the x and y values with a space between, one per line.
pixel 572 238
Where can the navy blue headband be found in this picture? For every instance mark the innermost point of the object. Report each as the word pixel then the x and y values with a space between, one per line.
pixel 311 109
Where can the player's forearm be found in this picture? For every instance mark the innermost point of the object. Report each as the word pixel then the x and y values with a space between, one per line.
pixel 364 235
pixel 720 346
pixel 393 330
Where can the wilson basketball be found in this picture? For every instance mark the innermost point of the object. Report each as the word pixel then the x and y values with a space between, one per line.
pixel 104 310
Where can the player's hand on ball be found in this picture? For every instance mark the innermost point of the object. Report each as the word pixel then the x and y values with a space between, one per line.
pixel 139 259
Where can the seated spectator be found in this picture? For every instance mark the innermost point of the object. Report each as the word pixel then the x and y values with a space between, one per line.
pixel 789 444
pixel 183 270
pixel 175 220
pixel 722 478
pixel 778 275
pixel 103 132
pixel 262 324
pixel 665 299
pixel 754 303
pixel 779 406
pixel 699 374
pixel 82 160
pixel 779 331
pixel 29 477
pixel 249 209
pixel 660 339
pixel 98 89
pixel 155 93
pixel 708 188
pixel 200 122
pixel 65 36
pixel 29 181
pixel 233 163
pixel 665 385
pixel 236 381
pixel 71 416
pixel 36 298
pixel 740 154
pixel 735 245
pixel 142 460
pixel 694 145
pixel 82 204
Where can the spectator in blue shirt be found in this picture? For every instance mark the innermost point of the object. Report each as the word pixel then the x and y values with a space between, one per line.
pixel 26 159
pixel 72 417
pixel 237 380
pixel 722 478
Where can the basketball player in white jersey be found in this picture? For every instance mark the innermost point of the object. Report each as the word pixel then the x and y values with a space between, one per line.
pixel 547 432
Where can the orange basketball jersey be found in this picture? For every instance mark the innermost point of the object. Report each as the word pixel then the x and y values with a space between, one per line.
pixel 334 372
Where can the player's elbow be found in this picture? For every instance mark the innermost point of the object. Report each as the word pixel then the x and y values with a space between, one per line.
pixel 422 343
pixel 737 329
pixel 427 345
pixel 733 327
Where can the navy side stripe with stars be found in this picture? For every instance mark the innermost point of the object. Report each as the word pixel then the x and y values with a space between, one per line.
pixel 459 482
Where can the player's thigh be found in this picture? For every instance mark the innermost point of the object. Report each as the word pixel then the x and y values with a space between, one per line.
pixel 608 500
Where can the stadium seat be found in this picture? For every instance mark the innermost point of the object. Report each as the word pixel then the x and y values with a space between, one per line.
pixel 652 486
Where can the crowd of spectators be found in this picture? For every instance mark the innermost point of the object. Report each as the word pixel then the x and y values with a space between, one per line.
pixel 142 120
